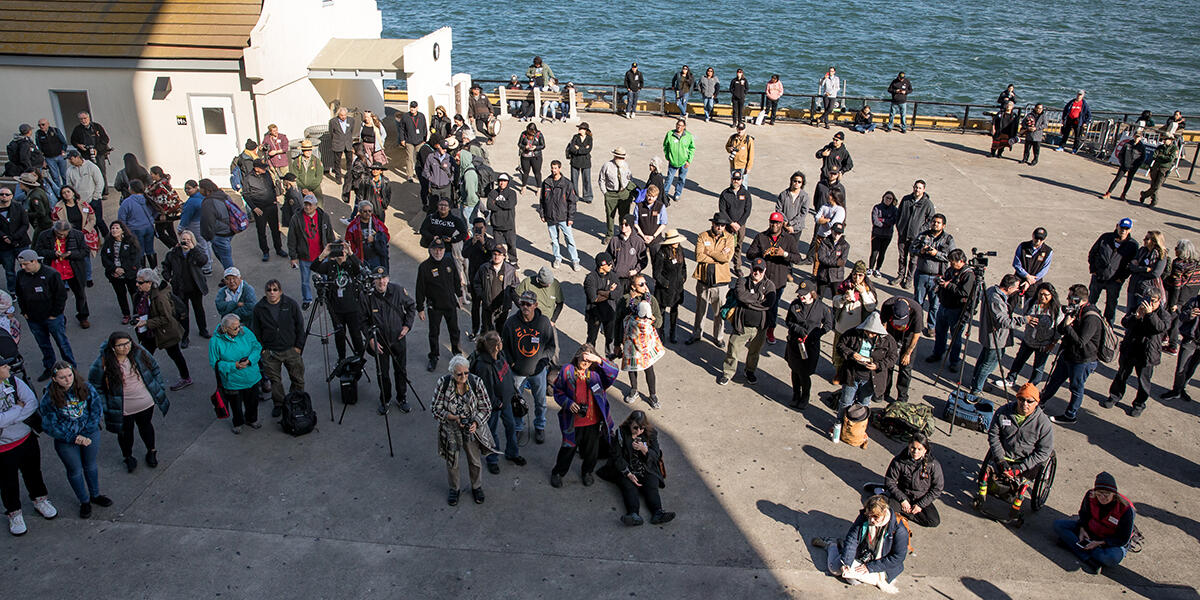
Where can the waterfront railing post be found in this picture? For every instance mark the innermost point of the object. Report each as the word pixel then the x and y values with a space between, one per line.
pixel 1192 169
pixel 966 116
pixel 904 125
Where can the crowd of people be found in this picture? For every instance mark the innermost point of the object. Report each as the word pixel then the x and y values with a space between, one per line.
pixel 634 291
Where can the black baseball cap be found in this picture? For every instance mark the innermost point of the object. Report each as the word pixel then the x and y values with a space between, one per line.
pixel 758 265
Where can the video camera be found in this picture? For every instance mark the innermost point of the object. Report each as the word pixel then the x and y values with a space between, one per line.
pixel 979 260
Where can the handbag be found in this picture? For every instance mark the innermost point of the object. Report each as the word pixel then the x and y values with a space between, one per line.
pixel 34 422
pixel 218 399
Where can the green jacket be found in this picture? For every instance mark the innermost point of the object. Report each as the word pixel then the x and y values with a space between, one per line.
pixel 224 353
pixel 550 298
pixel 470 181
pixel 1164 157
pixel 310 178
pixel 38 202
pixel 679 150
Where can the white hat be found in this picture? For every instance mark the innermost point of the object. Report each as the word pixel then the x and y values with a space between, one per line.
pixel 873 324
pixel 232 271
pixel 644 310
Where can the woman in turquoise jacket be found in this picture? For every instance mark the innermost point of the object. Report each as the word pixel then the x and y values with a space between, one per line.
pixel 71 412
pixel 234 353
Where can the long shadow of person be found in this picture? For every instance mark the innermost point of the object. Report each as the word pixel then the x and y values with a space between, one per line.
pixel 984 589
pixel 807 524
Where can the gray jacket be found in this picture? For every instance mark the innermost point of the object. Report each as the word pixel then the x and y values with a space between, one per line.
pixel 709 86
pixel 795 210
pixel 1040 122
pixel 997 321
pixel 214 217
pixel 1026 445
pixel 915 216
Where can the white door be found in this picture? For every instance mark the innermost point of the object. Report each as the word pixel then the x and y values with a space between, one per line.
pixel 216 136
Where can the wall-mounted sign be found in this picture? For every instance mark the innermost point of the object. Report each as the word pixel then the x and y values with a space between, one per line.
pixel 181 119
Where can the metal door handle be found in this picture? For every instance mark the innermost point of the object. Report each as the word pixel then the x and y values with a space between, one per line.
pixel 202 151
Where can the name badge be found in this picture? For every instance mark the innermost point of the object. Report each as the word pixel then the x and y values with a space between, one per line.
pixel 37 288
pixel 434 272
pixel 674 261
pixel 1005 422
pixel 707 243
pixel 632 251
pixel 341 292
pixel 534 340
pixel 1113 520
pixel 596 388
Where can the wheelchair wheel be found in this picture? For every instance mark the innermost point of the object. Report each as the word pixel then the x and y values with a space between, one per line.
pixel 1041 488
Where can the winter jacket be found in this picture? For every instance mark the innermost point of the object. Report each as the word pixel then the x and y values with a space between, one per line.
pixel 283 332
pixel 41 294
pixel 839 157
pixel 224 352
pixel 438 169
pixel 495 288
pixel 634 80
pixel 214 217
pixel 735 205
pixel 918 482
pixel 439 284
pixel 738 87
pixel 12 415
pixel 530 146
pixel 579 151
pixel 884 353
pixel 601 296
pixel 1131 156
pixel 394 310
pixel 599 378
pixel 1108 260
pixel 14 225
pixel 374 254
pixel 753 302
pixel 59 424
pixel 962 284
pixel 683 83
pixel 741 151
pixel 557 200
pixel 1020 447
pixel 915 216
pixel 670 274
pixel 850 313
pixel 997 320
pixel 161 323
pixel 298 234
pixel 343 290
pixel 626 461
pixel 774 90
pixel 1183 282
pixel 784 253
pixel 308 177
pixel 883 220
pixel 832 257
pixel 1039 122
pixel 1146 266
pixel 629 254
pixel 679 149
pixel 413 128
pixel 497 377
pixel 942 243
pixel 528 345
pixel 114 399
pixel 1085 116
pixel 1082 338
pixel 709 86
pixel 503 205
pixel 1164 158
pixel 37 206
pixel 900 89
pixel 135 212
pixel 126 253
pixel 479 107
pixel 794 210
pixel 258 190
pixel 1142 344
pixel 185 272
pixel 226 304
pixel 894 545
pixel 806 323
pixel 75 246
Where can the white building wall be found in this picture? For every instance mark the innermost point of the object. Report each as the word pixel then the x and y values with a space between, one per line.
pixel 122 101
pixel 428 80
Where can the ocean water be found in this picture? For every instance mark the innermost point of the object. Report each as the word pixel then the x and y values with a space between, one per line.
pixel 1129 57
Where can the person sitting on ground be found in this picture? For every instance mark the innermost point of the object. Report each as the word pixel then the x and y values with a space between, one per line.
pixel 863 120
pixel 874 549
pixel 913 483
pixel 1099 537
pixel 1020 441
pixel 634 467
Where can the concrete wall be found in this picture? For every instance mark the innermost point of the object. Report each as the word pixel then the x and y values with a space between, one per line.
pixel 429 79
pixel 122 101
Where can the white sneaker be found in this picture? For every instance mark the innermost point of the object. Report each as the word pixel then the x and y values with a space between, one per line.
pixel 44 507
pixel 16 523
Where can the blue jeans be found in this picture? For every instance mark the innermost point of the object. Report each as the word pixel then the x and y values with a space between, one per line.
pixel 306 280
pixel 681 102
pixel 1067 532
pixel 988 361
pixel 1078 374
pixel 943 325
pixel 43 330
pixel 504 415
pixel 855 392
pixel 222 248
pixel 925 288
pixel 58 168
pixel 9 258
pixel 537 388
pixel 902 108
pixel 869 127
pixel 145 237
pixel 708 106
pixel 677 177
pixel 555 229
pixel 82 470
pixel 631 100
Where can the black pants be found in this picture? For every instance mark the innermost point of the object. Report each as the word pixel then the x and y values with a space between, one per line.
pixel 1128 174
pixel 78 287
pixel 398 356
pixel 1068 125
pixel 827 103
pixel 509 237
pixel 165 232
pixel 144 422
pixel 243 405
pixel 772 106
pixel 651 381
pixel 1128 364
pixel 902 247
pixel 902 375
pixel 595 326
pixel 124 289
pixel 25 459
pixel 928 517
pixel 630 494
pixel 1185 365
pixel 1112 295
pixel 197 301
pixel 476 313
pixel 269 218
pixel 802 371
pixel 587 442
pixel 879 247
pixel 1034 147
pixel 147 342
pixel 739 109
pixel 531 164
pixel 481 127
pixel 347 324
pixel 435 325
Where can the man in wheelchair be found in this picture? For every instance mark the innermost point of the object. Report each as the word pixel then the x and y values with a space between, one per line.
pixel 1021 443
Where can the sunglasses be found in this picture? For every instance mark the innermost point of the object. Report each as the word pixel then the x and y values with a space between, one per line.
pixel 462 374
pixel 527 303
pixel 1027 400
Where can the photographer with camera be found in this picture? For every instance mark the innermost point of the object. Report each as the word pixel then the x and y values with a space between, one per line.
pixel 1082 331
pixel 1141 348
pixel 439 287
pixel 1108 262
pixel 393 311
pixel 582 391
pixel 462 406
pixel 955 287
pixel 308 233
pixel 367 237
pixel 996 322
pixel 928 257
pixel 341 271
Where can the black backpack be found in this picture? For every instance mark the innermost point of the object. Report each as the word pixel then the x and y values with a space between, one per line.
pixel 299 417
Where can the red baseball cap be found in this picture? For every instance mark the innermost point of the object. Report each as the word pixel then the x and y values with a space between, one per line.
pixel 777 217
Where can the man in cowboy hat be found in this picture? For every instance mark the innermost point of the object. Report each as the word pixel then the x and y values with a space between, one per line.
pixel 308 169
pixel 579 154
pixel 714 251
pixel 616 183
pixel 780 251
pixel 868 355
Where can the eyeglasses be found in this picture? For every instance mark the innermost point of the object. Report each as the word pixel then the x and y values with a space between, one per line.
pixel 461 374
pixel 273 290
pixel 124 344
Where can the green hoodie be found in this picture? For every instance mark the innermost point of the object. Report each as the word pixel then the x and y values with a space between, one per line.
pixel 470 181
pixel 679 150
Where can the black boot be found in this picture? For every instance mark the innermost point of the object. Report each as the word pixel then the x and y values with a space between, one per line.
pixel 674 324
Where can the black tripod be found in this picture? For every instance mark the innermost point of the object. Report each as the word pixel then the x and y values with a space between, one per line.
pixel 320 313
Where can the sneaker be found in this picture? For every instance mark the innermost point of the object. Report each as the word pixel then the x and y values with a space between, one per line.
pixel 16 523
pixel 820 542
pixel 266 256
pixel 632 397
pixel 1170 395
pixel 555 480
pixel 102 501
pixel 1063 420
pixel 575 267
pixel 1136 410
pixel 130 464
pixel 236 429
pixel 588 479
pixel 184 343
pixel 771 336
pixel 477 494
pixel 452 498
pixel 44 508
pixel 281 253
pixel 517 460
pixel 307 304
pixel 1108 403
pixel 344 221
pixel 539 436
pixel 662 518
pixel 751 379
pixel 932 358
pixel 179 385
pixel 722 380
pixel 382 409
pixel 402 404
pixel 152 459
pixel 632 519
pixel 493 468
pixel 254 425
pixel 653 402
pixel 1172 350
pixel 85 510
pixel 556 264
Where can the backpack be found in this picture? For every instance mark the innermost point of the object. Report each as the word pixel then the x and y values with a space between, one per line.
pixel 1108 341
pixel 235 173
pixel 299 418
pixel 900 420
pixel 484 174
pixel 238 221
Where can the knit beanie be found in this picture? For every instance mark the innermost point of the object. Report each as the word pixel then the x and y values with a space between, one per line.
pixel 1106 482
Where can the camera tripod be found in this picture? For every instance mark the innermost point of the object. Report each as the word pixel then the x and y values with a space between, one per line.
pixel 319 312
